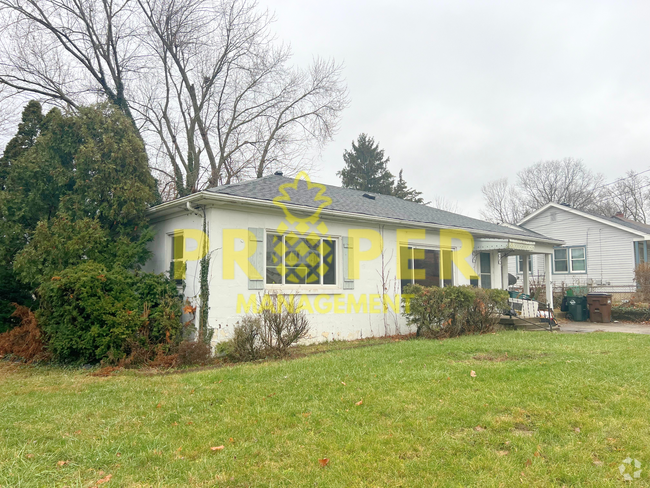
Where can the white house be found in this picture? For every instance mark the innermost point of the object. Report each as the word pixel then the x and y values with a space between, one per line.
pixel 344 254
pixel 598 251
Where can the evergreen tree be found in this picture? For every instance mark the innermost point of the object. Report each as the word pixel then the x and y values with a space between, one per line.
pixel 11 237
pixel 76 188
pixel 401 190
pixel 366 168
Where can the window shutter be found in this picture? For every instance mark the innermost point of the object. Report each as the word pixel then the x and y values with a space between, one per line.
pixel 348 254
pixel 256 261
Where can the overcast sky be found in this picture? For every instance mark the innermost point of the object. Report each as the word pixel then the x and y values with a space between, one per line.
pixel 459 93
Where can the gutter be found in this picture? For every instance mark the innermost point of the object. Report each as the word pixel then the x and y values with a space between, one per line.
pixel 253 202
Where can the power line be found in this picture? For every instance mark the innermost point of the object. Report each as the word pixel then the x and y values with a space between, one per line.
pixel 622 179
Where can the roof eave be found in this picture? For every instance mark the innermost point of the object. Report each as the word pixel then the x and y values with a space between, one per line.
pixel 210 197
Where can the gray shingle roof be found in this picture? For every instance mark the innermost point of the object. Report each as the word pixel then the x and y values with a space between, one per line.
pixel 353 201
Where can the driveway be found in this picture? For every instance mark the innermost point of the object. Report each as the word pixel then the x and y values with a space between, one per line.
pixel 629 327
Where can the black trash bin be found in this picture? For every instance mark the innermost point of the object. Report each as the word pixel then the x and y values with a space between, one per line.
pixel 577 309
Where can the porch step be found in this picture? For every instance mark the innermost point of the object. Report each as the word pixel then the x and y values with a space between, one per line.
pixel 532 324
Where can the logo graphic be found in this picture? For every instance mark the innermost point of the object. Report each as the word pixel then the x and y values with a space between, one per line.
pixel 626 468
pixel 299 253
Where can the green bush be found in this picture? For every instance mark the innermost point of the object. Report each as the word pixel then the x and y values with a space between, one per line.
pixel 631 314
pixel 453 310
pixel 89 313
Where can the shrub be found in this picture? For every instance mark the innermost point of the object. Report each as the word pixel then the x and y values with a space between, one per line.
pixel 194 352
pixel 246 343
pixel 632 314
pixel 282 323
pixel 453 310
pixel 26 340
pixel 642 278
pixel 276 326
pixel 90 313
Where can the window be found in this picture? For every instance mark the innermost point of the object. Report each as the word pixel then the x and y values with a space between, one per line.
pixel 561 264
pixel 293 260
pixel 520 265
pixel 578 261
pixel 570 260
pixel 177 267
pixel 486 270
pixel 426 267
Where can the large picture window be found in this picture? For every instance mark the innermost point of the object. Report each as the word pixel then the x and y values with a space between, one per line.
pixel 426 267
pixel 293 260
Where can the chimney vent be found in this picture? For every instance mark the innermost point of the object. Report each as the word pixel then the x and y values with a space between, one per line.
pixel 620 215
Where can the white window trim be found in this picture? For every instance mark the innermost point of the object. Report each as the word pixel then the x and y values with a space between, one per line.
pixel 584 250
pixel 531 268
pixel 306 288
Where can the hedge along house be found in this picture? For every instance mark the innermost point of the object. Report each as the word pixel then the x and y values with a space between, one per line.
pixel 599 252
pixel 345 255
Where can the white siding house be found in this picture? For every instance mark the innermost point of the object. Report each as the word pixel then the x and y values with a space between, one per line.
pixel 344 254
pixel 598 251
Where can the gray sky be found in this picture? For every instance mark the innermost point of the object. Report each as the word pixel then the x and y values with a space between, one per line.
pixel 459 93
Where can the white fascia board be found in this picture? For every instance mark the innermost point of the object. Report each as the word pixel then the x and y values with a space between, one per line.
pixel 212 198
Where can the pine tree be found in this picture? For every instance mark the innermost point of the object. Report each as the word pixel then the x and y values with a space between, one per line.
pixel 401 190
pixel 366 168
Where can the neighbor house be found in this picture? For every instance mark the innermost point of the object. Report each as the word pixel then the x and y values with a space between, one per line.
pixel 599 252
pixel 345 255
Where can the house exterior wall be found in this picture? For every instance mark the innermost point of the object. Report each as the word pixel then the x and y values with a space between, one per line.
pixel 609 250
pixel 334 315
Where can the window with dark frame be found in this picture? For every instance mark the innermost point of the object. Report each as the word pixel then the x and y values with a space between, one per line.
pixel 426 267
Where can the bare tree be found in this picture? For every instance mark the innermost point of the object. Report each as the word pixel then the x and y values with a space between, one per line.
pixel 68 50
pixel 562 181
pixel 503 204
pixel 203 80
pixel 630 196
pixel 566 181
pixel 443 203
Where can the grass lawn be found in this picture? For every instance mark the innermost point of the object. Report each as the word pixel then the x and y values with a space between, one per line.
pixel 543 410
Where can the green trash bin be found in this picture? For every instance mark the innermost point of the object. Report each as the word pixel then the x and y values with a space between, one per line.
pixel 578 311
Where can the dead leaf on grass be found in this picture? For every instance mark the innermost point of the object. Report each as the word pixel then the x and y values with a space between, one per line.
pixel 360 402
pixel 218 448
pixel 62 463
pixel 104 480
pixel 343 383
pixel 323 462
pixel 528 462
pixel 473 374
pixel 503 453
pixel 478 428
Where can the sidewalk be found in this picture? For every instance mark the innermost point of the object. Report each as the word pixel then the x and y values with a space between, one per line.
pixel 628 327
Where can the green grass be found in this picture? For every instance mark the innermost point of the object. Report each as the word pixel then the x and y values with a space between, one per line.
pixel 558 410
